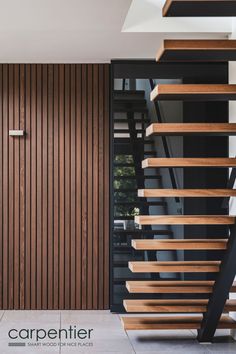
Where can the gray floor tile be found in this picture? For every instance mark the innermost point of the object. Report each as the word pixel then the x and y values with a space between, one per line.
pixel 1 314
pixel 31 316
pixel 222 332
pixel 27 350
pixel 112 346
pixel 85 312
pixel 185 351
pixel 223 344
pixel 165 342
pixel 103 352
pixel 99 320
pixel 29 320
pixel 107 336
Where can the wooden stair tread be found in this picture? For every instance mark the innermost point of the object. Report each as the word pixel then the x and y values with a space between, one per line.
pixel 173 306
pixel 189 244
pixel 174 266
pixel 172 322
pixel 197 50
pixel 172 286
pixel 189 162
pixel 191 128
pixel 184 219
pixel 157 193
pixel 194 92
pixel 195 8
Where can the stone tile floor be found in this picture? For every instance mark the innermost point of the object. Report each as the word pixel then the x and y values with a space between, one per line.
pixel 106 335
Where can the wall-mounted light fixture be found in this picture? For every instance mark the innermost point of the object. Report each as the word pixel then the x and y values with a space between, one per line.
pixel 16 133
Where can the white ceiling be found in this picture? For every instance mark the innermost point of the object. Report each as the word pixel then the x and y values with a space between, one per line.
pixel 76 31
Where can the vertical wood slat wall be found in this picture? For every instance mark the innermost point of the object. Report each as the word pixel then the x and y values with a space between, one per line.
pixel 54 186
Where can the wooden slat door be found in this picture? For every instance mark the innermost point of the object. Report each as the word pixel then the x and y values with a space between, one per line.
pixel 54 186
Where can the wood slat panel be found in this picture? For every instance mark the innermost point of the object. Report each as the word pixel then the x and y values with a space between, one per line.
pixel 84 221
pixel 67 186
pixel 17 188
pixel 61 186
pixel 5 187
pixel 78 108
pixel 50 185
pixel 45 154
pixel 28 190
pixel 39 188
pixel 11 189
pixel 73 188
pixel 22 188
pixel 54 186
pixel 90 186
pixel 100 184
pixel 95 184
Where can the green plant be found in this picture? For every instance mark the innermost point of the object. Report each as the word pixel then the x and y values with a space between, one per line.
pixel 128 197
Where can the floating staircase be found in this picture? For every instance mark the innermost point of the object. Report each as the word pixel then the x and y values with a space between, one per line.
pixel 215 293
